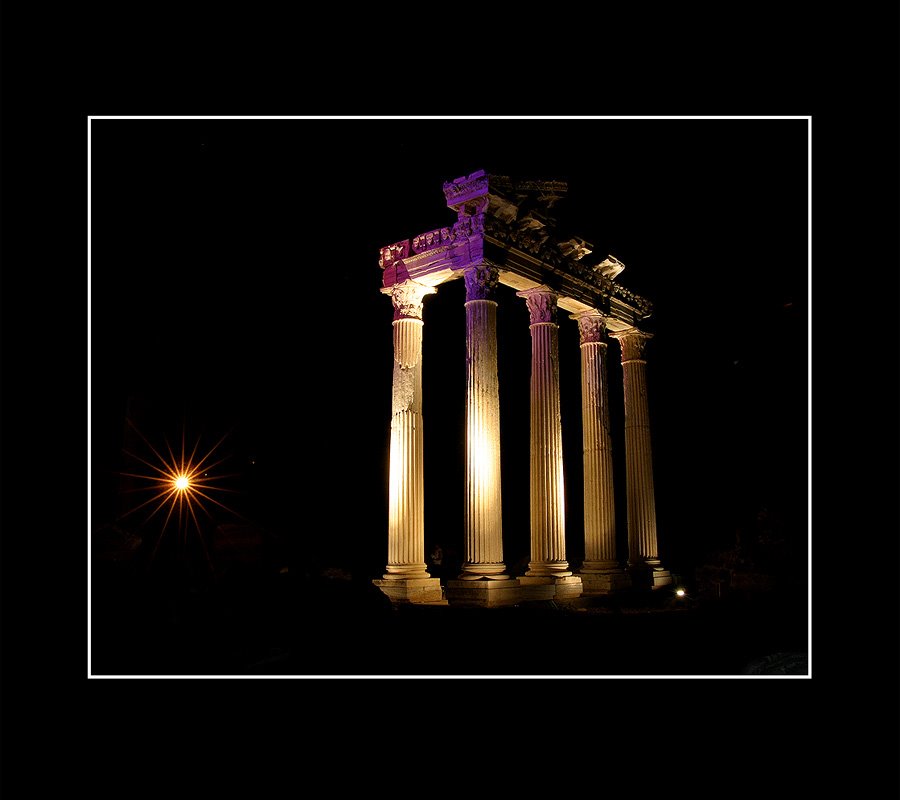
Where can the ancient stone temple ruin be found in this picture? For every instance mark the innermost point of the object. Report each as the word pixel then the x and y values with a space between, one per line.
pixel 505 233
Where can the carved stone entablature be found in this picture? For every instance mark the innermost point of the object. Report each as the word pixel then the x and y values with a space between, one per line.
pixel 591 325
pixel 481 280
pixel 587 274
pixel 462 229
pixel 643 305
pixel 633 342
pixel 513 215
pixel 442 237
pixel 502 209
pixel 462 190
pixel 576 248
pixel 551 256
pixel 521 239
pixel 468 226
pixel 609 267
pixel 408 298
pixel 393 253
pixel 532 233
pixel 541 301
pixel 548 189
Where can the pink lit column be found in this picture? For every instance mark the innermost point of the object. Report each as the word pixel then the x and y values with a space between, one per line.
pixel 483 518
pixel 548 541
pixel 642 546
pixel 601 571
pixel 406 498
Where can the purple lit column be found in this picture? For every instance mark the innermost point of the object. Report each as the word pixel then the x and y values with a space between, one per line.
pixel 642 545
pixel 548 542
pixel 484 530
pixel 406 498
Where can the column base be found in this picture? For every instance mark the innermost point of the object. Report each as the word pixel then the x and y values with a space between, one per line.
pixel 411 590
pixel 546 587
pixel 397 572
pixel 610 582
pixel 477 572
pixel 646 577
pixel 548 569
pixel 485 592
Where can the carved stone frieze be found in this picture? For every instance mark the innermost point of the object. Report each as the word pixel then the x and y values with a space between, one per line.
pixel 515 214
pixel 462 190
pixel 429 240
pixel 547 189
pixel 393 253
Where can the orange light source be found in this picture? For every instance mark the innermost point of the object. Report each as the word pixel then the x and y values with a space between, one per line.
pixel 179 484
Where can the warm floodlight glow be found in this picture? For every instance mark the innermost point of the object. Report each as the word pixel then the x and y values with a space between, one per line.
pixel 182 483
pixel 679 592
pixel 482 455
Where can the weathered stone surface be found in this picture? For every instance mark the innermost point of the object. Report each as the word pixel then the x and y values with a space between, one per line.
pixel 483 592
pixel 599 502
pixel 550 587
pixel 548 514
pixel 601 583
pixel 483 519
pixel 406 503
pixel 427 590
pixel 516 216
pixel 642 542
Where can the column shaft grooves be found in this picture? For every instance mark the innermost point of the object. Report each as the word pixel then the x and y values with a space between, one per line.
pixel 483 512
pixel 406 507
pixel 642 538
pixel 548 550
pixel 599 506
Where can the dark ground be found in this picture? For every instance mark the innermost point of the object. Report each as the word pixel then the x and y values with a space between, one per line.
pixel 251 617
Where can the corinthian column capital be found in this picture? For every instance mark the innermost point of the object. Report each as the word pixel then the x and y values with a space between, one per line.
pixel 541 301
pixel 408 298
pixel 591 325
pixel 633 343
pixel 481 280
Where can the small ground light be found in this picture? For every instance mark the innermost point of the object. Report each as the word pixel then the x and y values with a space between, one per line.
pixel 679 592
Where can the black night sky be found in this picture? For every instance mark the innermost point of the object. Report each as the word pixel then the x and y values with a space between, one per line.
pixel 234 290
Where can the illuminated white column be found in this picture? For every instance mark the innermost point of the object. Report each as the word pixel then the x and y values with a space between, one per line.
pixel 484 529
pixel 599 500
pixel 406 498
pixel 642 545
pixel 548 541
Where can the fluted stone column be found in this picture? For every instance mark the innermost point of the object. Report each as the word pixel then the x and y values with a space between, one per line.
pixel 483 519
pixel 601 571
pixel 407 578
pixel 484 580
pixel 644 563
pixel 548 514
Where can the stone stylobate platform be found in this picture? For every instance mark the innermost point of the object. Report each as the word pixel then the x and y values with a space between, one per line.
pixel 506 233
